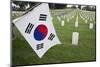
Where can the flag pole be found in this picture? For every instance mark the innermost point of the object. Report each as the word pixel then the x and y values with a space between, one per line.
pixel 30 9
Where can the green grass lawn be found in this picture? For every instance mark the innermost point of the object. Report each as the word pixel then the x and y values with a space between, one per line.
pixel 22 53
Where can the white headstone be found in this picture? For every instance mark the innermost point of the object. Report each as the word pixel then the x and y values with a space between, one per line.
pixel 67 19
pixel 93 18
pixel 62 23
pixel 91 26
pixel 85 21
pixel 75 38
pixel 64 16
pixel 76 22
pixel 73 16
pixel 58 18
pixel 90 19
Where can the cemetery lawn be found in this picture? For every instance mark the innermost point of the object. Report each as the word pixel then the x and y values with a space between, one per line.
pixel 22 53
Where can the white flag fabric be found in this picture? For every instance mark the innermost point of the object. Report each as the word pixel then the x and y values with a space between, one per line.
pixel 38 30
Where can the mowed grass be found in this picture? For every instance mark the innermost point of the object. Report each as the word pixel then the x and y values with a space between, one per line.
pixel 22 53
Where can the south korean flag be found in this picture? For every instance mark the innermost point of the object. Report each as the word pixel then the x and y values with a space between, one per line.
pixel 37 28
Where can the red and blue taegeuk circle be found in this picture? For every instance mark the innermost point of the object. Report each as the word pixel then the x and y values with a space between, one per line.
pixel 40 32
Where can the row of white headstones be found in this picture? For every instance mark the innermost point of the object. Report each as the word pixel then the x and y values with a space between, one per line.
pixel 68 16
pixel 85 15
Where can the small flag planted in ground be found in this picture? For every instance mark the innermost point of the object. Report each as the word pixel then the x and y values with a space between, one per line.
pixel 38 30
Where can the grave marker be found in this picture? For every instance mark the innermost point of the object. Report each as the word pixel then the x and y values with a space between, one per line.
pixel 85 21
pixel 91 26
pixel 67 19
pixel 75 38
pixel 62 23
pixel 76 22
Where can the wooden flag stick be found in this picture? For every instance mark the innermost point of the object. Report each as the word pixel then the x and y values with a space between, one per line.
pixel 16 19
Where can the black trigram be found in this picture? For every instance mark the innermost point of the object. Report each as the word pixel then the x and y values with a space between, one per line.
pixel 42 17
pixel 51 36
pixel 29 28
pixel 39 46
